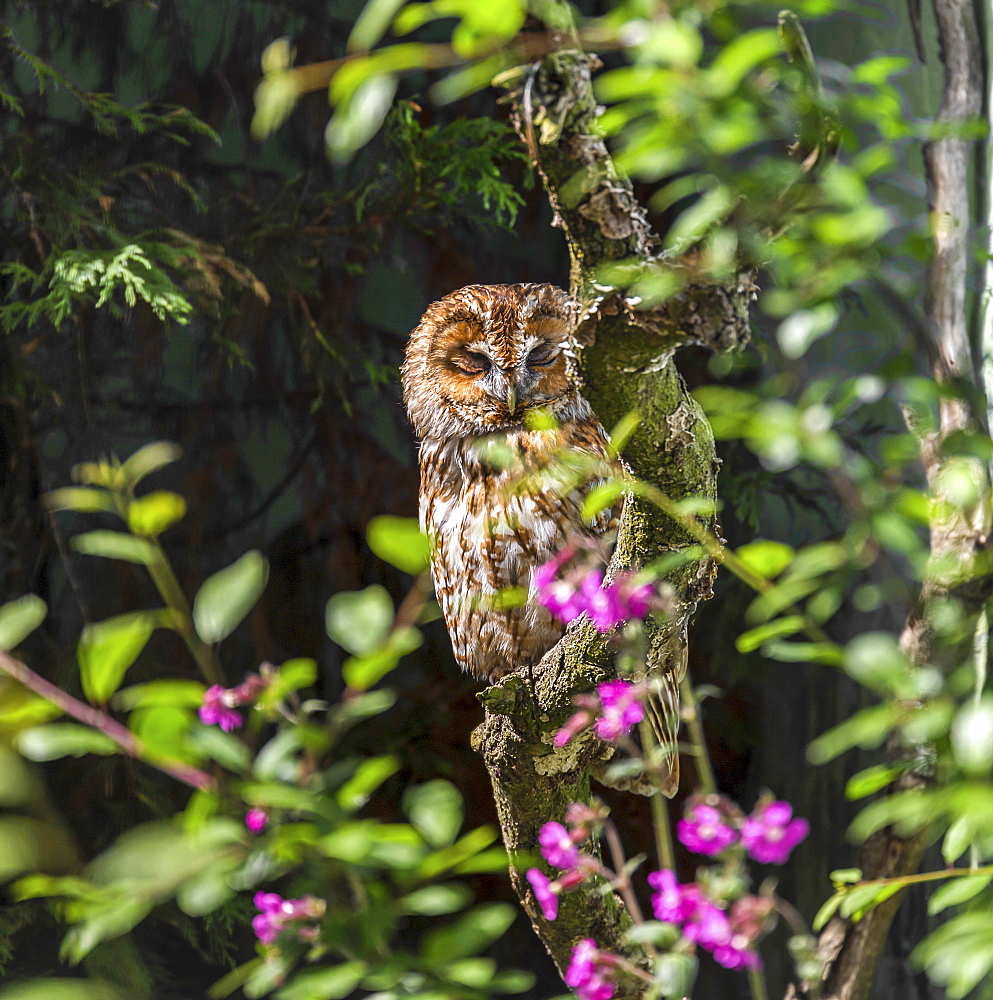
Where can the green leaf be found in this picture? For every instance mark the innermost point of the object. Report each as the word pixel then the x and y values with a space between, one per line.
pixel 151 514
pixel 212 743
pixel 876 660
pixel 178 693
pixel 207 891
pixel 958 838
pixel 435 900
pixel 226 597
pixel 399 541
pixel 435 808
pixel 756 637
pixel 476 973
pixel 765 557
pixel 63 739
pixel 858 901
pixel 867 729
pixel 957 890
pixel 106 649
pixel 61 989
pixel 18 619
pixel 369 775
pixel 372 24
pixel 275 98
pixel 149 459
pixel 28 844
pixel 827 911
pixel 324 984
pixel 360 620
pixel 357 121
pixel 602 496
pixel 479 928
pixel 871 780
pixel 80 498
pixel 675 974
pixel 362 672
pixel 115 545
pixel 19 786
pixel 972 738
pixel 846 876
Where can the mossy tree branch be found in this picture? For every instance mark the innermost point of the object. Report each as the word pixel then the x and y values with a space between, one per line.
pixel 626 359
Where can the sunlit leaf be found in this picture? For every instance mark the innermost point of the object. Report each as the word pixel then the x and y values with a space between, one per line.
pixel 115 545
pixel 151 514
pixel 107 649
pixel 149 459
pixel 435 808
pixel 472 933
pixel 360 620
pixel 765 557
pixel 435 900
pixel 324 984
pixel 399 541
pixel 356 122
pixel 18 619
pixel 225 598
pixel 957 890
pixel 80 498
pixel 756 637
pixel 63 739
pixel 369 775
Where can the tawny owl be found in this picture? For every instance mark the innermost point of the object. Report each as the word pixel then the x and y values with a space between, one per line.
pixel 479 360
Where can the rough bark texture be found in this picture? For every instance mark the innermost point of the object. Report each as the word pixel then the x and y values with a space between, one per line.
pixel 960 539
pixel 626 358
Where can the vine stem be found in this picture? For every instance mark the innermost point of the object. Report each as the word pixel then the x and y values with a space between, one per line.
pixel 660 813
pixel 691 714
pixel 756 982
pixel 169 589
pixel 111 728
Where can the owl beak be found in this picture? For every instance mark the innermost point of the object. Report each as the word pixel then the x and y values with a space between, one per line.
pixel 511 397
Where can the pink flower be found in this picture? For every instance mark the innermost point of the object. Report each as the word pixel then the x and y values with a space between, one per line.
pixel 217 710
pixel 589 972
pixel 277 912
pixel 575 724
pixel 545 892
pixel 735 956
pixel 704 831
pixel 557 846
pixel 708 926
pixel 559 596
pixel 672 902
pixel 770 833
pixel 621 709
pixel 256 820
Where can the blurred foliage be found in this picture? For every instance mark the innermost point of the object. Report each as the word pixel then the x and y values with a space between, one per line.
pixel 166 274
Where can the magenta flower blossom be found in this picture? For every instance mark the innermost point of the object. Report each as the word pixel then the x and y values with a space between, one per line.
pixel 276 913
pixel 708 926
pixel 256 820
pixel 704 831
pixel 737 956
pixel 574 725
pixel 545 892
pixel 583 590
pixel 589 972
pixel 217 709
pixel 560 597
pixel 672 902
pixel 621 709
pixel 557 846
pixel 219 704
pixel 770 833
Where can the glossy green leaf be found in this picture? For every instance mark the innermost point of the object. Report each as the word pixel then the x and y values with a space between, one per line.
pixel 356 122
pixel 19 785
pixel 957 890
pixel 149 459
pixel 362 672
pixel 871 780
pixel 368 776
pixel 957 840
pixel 324 984
pixel 435 808
pixel 372 23
pixel 28 844
pixel 18 619
pixel 478 929
pixel 63 739
pixel 436 900
pixel 360 620
pixel 150 515
pixel 115 545
pixel 107 649
pixel 765 557
pixel 756 637
pixel 61 989
pixel 826 911
pixel 972 737
pixel 225 598
pixel 179 693
pixel 399 541
pixel 84 499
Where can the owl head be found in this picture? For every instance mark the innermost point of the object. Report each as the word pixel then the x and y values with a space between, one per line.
pixel 484 355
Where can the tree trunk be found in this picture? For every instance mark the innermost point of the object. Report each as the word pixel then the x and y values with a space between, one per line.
pixel 626 360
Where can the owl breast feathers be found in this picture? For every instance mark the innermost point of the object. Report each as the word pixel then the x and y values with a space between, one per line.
pixel 479 361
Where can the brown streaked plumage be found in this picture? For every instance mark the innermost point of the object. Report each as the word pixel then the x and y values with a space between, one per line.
pixel 478 361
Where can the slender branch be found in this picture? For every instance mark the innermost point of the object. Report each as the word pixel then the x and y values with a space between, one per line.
pixel 99 720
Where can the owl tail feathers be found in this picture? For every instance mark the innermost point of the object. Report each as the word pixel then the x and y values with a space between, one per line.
pixel 662 773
